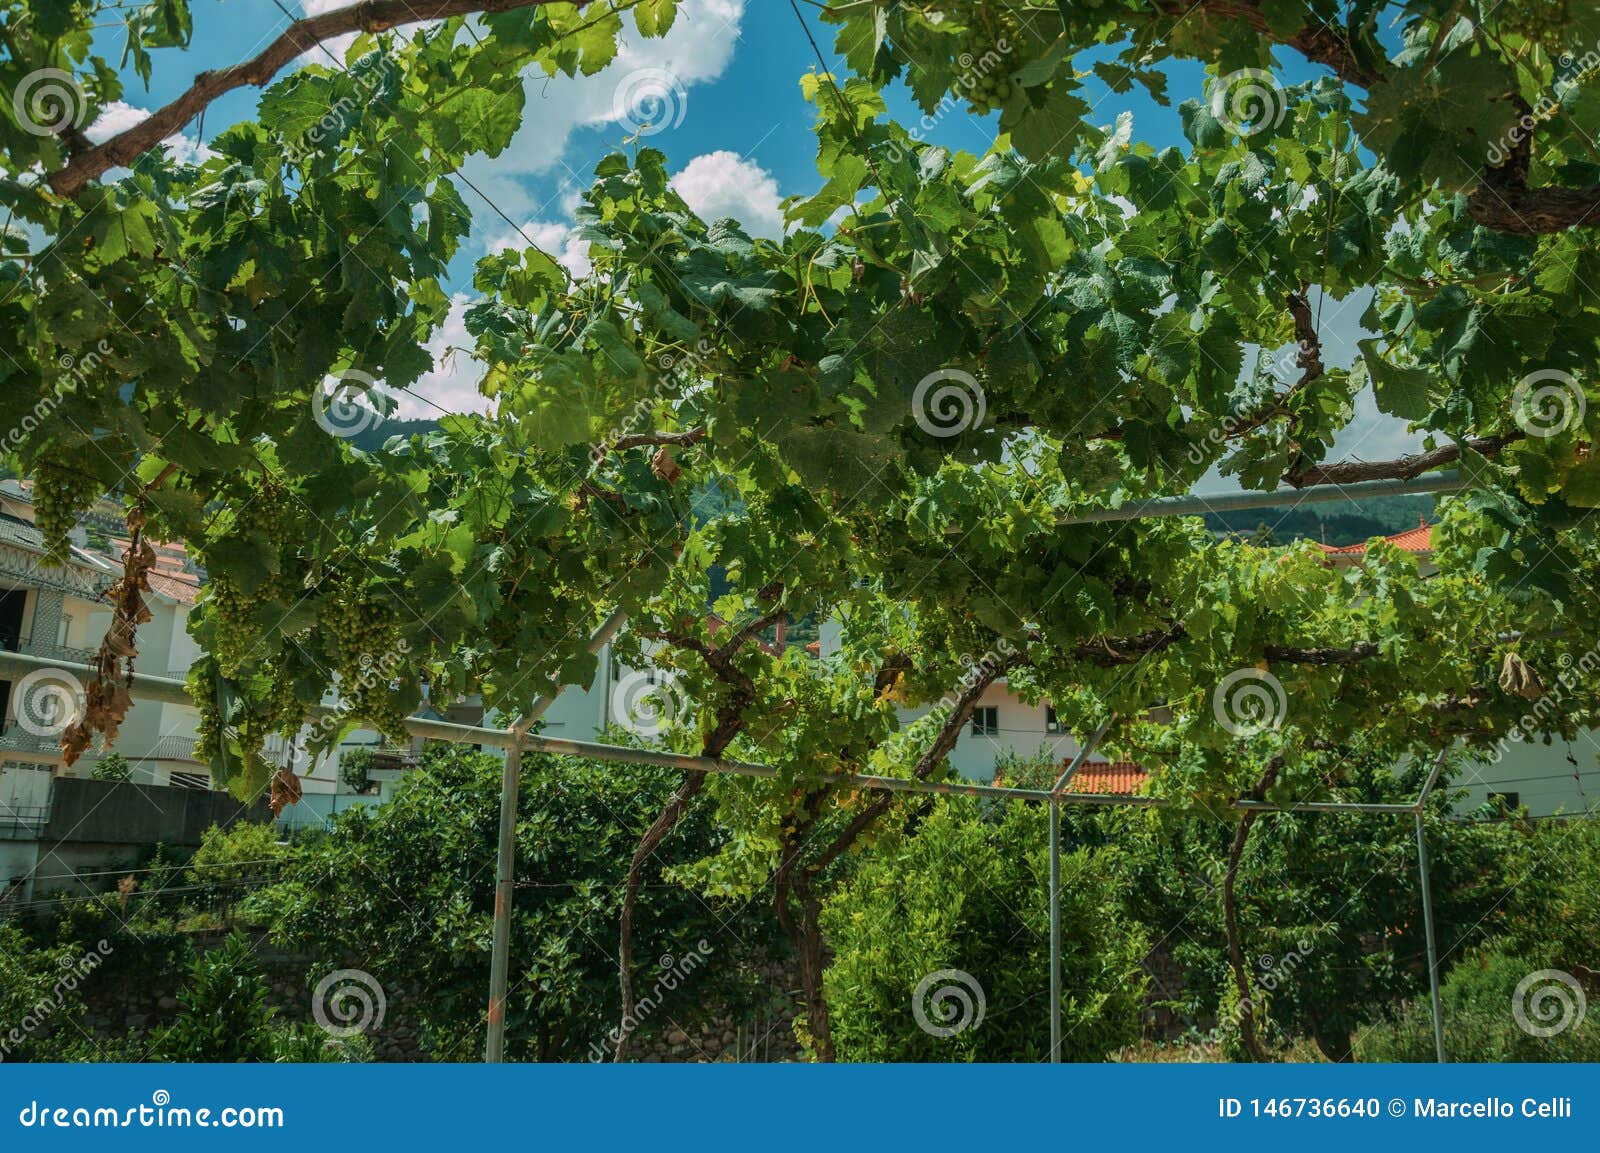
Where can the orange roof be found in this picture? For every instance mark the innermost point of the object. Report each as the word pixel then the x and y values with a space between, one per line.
pixel 1414 540
pixel 169 578
pixel 1119 777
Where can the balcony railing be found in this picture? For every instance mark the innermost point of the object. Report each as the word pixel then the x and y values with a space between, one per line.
pixel 22 823
pixel 12 641
pixel 16 739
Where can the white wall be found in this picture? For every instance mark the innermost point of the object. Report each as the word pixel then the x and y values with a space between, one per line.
pixel 1022 731
pixel 1558 777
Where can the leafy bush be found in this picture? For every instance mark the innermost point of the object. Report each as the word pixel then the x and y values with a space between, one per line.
pixel 223 1011
pixel 406 890
pixel 1329 905
pixel 1479 1022
pixel 39 994
pixel 354 768
pixel 230 861
pixel 968 892
pixel 112 767
pixel 223 1016
pixel 1556 911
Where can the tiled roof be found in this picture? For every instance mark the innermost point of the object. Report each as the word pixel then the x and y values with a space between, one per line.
pixel 171 576
pixel 1119 777
pixel 1417 540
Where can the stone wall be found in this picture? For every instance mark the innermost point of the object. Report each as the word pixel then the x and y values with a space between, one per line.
pixel 765 1035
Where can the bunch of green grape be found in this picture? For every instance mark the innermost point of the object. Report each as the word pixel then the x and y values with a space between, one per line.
pixel 60 495
pixel 268 514
pixel 1545 22
pixel 280 713
pixel 987 56
pixel 363 636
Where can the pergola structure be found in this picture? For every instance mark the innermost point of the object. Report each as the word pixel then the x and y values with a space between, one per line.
pixel 518 739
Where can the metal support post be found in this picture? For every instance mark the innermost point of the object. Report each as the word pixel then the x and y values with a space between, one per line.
pixel 505 869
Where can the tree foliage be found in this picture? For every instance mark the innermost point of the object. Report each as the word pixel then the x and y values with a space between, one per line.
pixel 896 404
pixel 962 900
pixel 406 891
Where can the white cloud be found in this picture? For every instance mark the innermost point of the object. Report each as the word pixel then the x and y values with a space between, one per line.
pixel 119 116
pixel 337 46
pixel 697 50
pixel 721 184
pixel 452 386
pixel 559 240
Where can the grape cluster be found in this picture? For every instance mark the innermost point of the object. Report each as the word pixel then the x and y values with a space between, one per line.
pixel 270 514
pixel 60 496
pixel 363 636
pixel 994 32
pixel 280 712
pixel 988 92
pixel 1545 22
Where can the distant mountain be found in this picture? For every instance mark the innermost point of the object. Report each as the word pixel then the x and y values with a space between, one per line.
pixel 374 438
pixel 1339 523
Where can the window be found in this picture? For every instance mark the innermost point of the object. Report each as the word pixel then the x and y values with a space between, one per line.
pixel 1511 801
pixel 986 722
pixel 1051 725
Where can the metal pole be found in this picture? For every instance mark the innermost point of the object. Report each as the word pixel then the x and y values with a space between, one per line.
pixel 504 871
pixel 1449 481
pixel 505 868
pixel 1055 931
pixel 1427 903
pixel 1433 953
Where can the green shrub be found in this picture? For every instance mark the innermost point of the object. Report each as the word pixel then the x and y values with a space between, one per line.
pixel 1479 996
pixel 231 862
pixel 408 888
pixel 40 998
pixel 355 766
pixel 112 767
pixel 967 892
pixel 223 1013
pixel 1556 908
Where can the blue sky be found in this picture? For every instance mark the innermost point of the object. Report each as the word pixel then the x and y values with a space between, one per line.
pixel 738 139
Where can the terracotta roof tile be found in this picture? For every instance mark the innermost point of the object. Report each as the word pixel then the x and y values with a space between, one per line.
pixel 1414 540
pixel 1119 777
